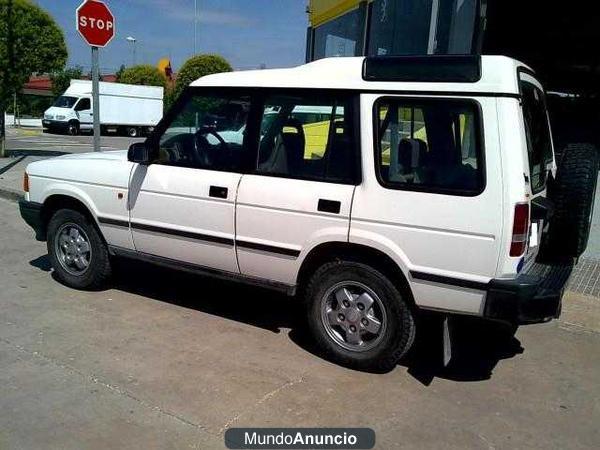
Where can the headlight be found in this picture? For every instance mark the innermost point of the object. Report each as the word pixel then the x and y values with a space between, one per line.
pixel 60 117
pixel 48 116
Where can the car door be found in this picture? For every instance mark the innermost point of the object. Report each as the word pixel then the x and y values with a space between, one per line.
pixel 84 112
pixel 182 207
pixel 300 192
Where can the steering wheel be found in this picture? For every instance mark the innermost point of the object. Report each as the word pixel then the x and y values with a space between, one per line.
pixel 203 149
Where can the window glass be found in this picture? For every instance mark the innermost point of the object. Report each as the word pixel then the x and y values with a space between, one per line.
pixel 431 146
pixel 307 138
pixel 83 105
pixel 537 129
pixel 461 20
pixel 418 27
pixel 340 37
pixel 400 28
pixel 65 102
pixel 208 132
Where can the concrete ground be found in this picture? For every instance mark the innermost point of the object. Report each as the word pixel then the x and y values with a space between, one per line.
pixel 34 140
pixel 167 360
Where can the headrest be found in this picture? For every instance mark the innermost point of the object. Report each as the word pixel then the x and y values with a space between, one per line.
pixel 411 153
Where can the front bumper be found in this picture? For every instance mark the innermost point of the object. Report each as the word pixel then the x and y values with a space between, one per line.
pixel 31 212
pixel 535 296
pixel 54 124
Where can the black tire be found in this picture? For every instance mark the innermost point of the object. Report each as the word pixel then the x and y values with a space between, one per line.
pixel 73 128
pixel 99 269
pixel 398 335
pixel 573 192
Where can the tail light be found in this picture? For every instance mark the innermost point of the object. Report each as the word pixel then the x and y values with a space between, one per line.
pixel 25 182
pixel 520 230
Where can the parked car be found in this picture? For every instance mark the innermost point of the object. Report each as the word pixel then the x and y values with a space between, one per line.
pixel 124 108
pixel 429 192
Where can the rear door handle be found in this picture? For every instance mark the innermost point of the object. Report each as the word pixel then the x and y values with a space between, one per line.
pixel 217 192
pixel 330 206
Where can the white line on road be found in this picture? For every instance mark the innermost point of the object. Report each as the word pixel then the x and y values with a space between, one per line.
pixel 57 147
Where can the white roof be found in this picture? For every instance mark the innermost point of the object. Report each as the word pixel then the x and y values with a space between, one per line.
pixel 499 75
pixel 84 88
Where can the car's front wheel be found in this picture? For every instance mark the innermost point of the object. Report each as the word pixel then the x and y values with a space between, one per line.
pixel 77 252
pixel 73 128
pixel 358 317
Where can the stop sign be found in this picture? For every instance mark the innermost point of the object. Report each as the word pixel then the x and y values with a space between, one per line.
pixel 95 23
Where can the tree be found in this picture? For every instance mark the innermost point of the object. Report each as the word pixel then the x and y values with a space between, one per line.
pixel 30 41
pixel 61 80
pixel 143 74
pixel 199 66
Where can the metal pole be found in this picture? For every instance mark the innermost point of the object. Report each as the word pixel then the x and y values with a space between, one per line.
pixel 195 27
pixel 96 97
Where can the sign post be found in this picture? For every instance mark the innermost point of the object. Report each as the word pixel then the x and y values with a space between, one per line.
pixel 96 96
pixel 96 24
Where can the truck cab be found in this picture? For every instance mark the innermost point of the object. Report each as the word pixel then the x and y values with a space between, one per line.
pixel 71 113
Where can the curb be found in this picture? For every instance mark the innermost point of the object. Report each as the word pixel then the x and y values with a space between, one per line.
pixel 10 194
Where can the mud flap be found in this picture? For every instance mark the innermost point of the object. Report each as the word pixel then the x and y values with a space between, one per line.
pixel 447 332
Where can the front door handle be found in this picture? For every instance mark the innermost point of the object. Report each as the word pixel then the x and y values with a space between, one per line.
pixel 217 192
pixel 330 206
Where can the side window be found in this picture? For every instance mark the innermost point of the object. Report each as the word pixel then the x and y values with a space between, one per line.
pixel 207 133
pixel 308 138
pixel 537 129
pixel 431 146
pixel 83 105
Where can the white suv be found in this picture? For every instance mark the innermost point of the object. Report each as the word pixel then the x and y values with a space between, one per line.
pixel 410 184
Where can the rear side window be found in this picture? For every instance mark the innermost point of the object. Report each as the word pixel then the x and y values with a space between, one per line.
pixel 432 145
pixel 308 137
pixel 537 129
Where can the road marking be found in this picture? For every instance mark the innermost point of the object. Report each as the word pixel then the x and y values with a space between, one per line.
pixel 41 150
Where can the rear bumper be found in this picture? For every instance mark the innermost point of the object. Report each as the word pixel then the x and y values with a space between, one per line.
pixel 31 212
pixel 534 296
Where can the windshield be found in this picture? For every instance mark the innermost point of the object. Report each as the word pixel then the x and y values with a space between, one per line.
pixel 537 128
pixel 65 102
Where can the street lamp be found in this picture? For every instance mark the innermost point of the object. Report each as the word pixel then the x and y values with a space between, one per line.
pixel 195 27
pixel 133 41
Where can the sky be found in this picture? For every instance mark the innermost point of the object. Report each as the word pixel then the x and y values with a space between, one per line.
pixel 247 33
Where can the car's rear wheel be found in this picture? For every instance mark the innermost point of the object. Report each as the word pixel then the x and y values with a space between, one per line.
pixel 77 252
pixel 358 317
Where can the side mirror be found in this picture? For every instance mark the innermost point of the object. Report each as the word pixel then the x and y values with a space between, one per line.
pixel 139 153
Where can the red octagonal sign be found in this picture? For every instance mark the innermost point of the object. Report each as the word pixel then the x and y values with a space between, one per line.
pixel 95 23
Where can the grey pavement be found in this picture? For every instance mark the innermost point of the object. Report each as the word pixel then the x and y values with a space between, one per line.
pixel 36 140
pixel 168 360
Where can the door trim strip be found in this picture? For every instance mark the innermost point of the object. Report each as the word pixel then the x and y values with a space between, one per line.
pixel 201 237
pixel 458 282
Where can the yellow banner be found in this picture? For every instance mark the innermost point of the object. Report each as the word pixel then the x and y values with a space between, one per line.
pixel 321 11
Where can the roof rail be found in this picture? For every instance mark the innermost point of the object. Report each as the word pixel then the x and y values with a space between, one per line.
pixel 431 68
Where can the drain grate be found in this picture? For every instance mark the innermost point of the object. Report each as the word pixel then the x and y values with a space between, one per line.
pixel 586 277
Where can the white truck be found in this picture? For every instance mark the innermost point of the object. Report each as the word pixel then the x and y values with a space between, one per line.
pixel 431 184
pixel 124 108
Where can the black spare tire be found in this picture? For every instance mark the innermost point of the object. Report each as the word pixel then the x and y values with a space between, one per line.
pixel 573 193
